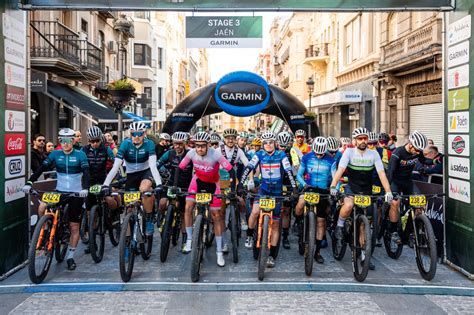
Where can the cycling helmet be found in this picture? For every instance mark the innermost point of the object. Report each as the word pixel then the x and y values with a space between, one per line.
pixel 418 140
pixel 165 136
pixel 137 126
pixel 300 132
pixel 345 141
pixel 284 138
pixel 333 144
pixel 320 145
pixel 257 141
pixel 268 135
pixel 384 137
pixel 94 133
pixel 202 136
pixel 215 137
pixel 309 141
pixel 244 135
pixel 230 132
pixel 66 132
pixel 361 131
pixel 373 137
pixel 179 136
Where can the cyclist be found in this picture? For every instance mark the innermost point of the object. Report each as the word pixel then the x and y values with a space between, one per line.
pixel 206 163
pixel 256 146
pixel 360 164
pixel 72 171
pixel 163 144
pixel 316 170
pixel 300 144
pixel 384 150
pixel 345 142
pixel 215 140
pixel 402 163
pixel 270 162
pixel 333 149
pixel 242 142
pixel 138 153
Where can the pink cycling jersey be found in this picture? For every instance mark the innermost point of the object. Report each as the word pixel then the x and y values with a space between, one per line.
pixel 206 167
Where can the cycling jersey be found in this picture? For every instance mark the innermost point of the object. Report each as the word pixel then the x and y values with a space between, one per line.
pixel 402 164
pixel 319 170
pixel 135 158
pixel 295 157
pixel 385 155
pixel 303 148
pixel 98 159
pixel 233 155
pixel 72 170
pixel 170 160
pixel 160 150
pixel 240 165
pixel 206 167
pixel 360 165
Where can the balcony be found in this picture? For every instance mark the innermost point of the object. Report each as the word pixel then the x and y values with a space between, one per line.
pixel 317 56
pixel 413 48
pixel 57 49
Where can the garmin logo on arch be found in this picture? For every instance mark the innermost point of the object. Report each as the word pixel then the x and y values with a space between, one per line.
pixel 241 93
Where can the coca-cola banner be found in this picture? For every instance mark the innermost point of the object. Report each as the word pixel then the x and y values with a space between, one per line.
pixel 14 98
pixel 15 143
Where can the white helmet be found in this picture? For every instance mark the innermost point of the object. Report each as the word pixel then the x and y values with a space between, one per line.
pixel 165 136
pixel 66 132
pixel 202 136
pixel 320 145
pixel 345 141
pixel 361 131
pixel 373 137
pixel 137 126
pixel 284 138
pixel 333 144
pixel 215 137
pixel 94 133
pixel 268 135
pixel 418 140
pixel 300 132
pixel 179 136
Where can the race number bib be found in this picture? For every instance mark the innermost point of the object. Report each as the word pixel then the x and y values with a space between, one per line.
pixel 418 201
pixel 203 198
pixel 311 198
pixel 131 197
pixel 267 203
pixel 51 197
pixel 362 201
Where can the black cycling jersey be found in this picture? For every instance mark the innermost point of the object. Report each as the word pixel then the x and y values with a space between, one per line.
pixel 97 159
pixel 160 150
pixel 171 162
pixel 402 164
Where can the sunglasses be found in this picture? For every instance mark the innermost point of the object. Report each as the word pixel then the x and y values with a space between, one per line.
pixel 94 141
pixel 66 140
pixel 137 133
pixel 41 140
pixel 268 142
pixel 300 137
pixel 215 143
pixel 362 138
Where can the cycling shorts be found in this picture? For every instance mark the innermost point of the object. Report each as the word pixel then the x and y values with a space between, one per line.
pixel 405 188
pixel 198 185
pixel 322 206
pixel 277 210
pixel 134 179
pixel 74 210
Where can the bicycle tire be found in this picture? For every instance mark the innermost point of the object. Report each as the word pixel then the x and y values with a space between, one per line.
pixel 420 239
pixel 310 244
pixel 114 230
pixel 301 244
pixel 84 227
pixel 96 234
pixel 234 233
pixel 209 235
pixel 337 254
pixel 374 227
pixel 166 235
pixel 264 251
pixel 361 267
pixel 197 248
pixel 45 224
pixel 126 265
pixel 147 245
pixel 387 240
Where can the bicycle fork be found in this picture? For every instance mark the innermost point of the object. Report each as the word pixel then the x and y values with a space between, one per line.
pixel 260 228
pixel 53 232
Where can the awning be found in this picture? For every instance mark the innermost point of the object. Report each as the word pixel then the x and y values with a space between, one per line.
pixel 82 103
pixel 136 117
pixel 334 98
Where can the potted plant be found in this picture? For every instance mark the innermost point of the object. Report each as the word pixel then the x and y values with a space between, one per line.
pixel 121 90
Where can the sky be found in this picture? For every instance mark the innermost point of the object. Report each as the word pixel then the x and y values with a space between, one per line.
pixel 224 60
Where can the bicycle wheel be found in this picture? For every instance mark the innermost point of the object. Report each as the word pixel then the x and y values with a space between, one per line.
pixel 62 242
pixel 209 235
pixel 234 233
pixel 147 245
pixel 198 248
pixel 115 227
pixel 425 247
pixel 394 252
pixel 310 244
pixel 301 244
pixel 176 231
pixel 40 253
pixel 126 249
pixel 84 227
pixel 361 253
pixel 374 227
pixel 166 235
pixel 337 253
pixel 264 251
pixel 96 233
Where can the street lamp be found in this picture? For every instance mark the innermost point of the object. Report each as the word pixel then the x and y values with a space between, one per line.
pixel 310 85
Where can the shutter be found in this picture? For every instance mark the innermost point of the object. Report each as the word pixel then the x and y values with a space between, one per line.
pixel 429 119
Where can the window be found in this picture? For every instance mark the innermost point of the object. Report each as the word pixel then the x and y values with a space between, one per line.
pixel 160 58
pixel 392 27
pixel 160 98
pixel 298 73
pixel 142 15
pixel 84 26
pixel 101 40
pixel 352 40
pixel 348 42
pixel 148 92
pixel 142 55
pixel 372 37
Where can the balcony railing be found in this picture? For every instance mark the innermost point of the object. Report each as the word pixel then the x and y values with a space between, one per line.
pixel 53 40
pixel 320 50
pixel 427 37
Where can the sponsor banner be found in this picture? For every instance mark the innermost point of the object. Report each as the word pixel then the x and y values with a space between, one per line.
pixel 224 43
pixel 458 145
pixel 15 143
pixel 14 29
pixel 14 53
pixel 14 120
pixel 13 189
pixel 15 166
pixel 458 99
pixel 15 75
pixel 14 98
pixel 458 54
pixel 459 167
pixel 458 122
pixel 39 81
pixel 459 190
pixel 458 77
pixel 459 30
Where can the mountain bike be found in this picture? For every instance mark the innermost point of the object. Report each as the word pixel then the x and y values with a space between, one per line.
pixel 414 228
pixel 356 234
pixel 233 214
pixel 84 226
pixel 170 225
pixel 133 240
pixel 51 234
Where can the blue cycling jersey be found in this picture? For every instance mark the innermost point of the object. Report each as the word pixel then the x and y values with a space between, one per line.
pixel 318 171
pixel 136 159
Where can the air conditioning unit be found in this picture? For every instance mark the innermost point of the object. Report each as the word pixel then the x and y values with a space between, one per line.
pixel 353 109
pixel 112 47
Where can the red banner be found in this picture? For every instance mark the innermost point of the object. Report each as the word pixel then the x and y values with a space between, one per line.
pixel 15 143
pixel 15 98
